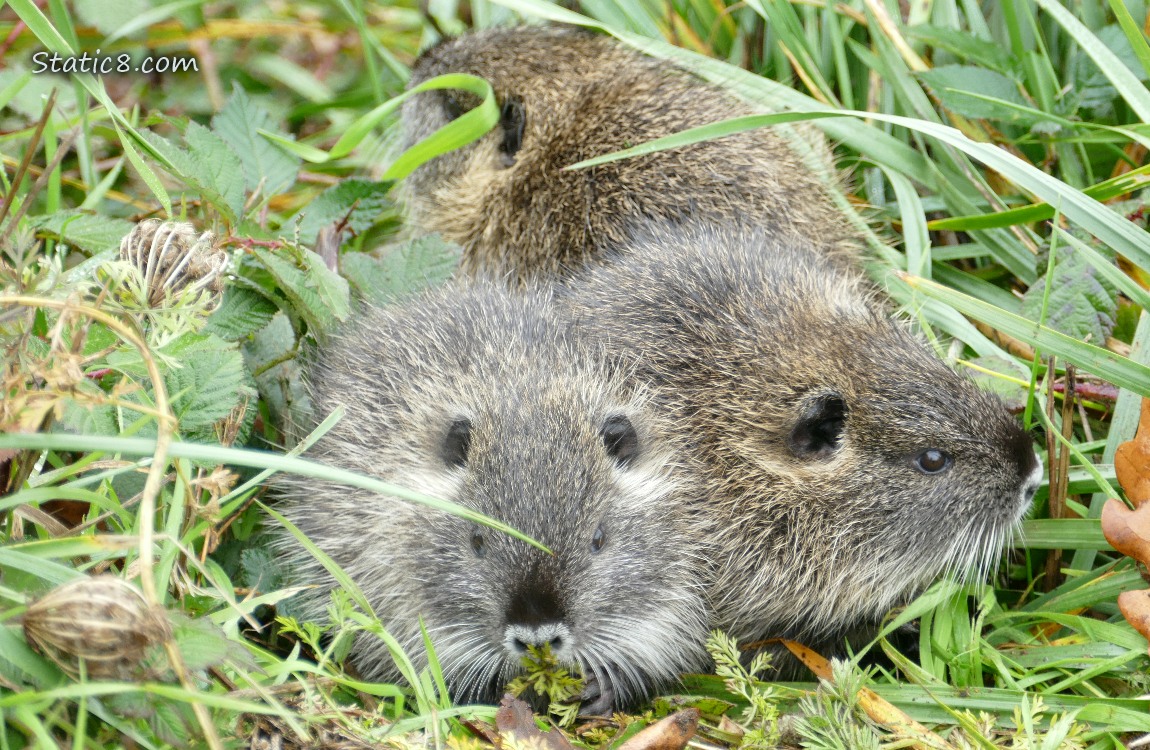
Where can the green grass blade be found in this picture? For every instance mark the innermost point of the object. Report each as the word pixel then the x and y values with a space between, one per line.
pixel 1102 222
pixel 253 459
pixel 1133 33
pixel 1102 362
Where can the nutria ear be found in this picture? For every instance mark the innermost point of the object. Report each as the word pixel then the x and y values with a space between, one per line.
pixel 456 443
pixel 512 120
pixel 621 439
pixel 819 430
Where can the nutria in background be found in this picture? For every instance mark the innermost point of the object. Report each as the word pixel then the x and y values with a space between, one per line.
pixel 567 95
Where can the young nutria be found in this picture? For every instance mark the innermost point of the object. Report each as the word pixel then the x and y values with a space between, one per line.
pixel 478 396
pixel 567 95
pixel 850 467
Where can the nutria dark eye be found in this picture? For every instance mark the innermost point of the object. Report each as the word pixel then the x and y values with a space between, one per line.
pixel 451 106
pixel 932 461
pixel 457 443
pixel 512 120
pixel 620 438
pixel 820 428
pixel 478 544
pixel 598 539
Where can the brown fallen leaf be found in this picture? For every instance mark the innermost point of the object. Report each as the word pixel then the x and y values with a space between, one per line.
pixel 1135 607
pixel 516 722
pixel 1132 461
pixel 1127 531
pixel 669 733
pixel 876 707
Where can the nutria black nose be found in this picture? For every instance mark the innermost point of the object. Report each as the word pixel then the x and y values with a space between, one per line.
pixel 1020 446
pixel 534 604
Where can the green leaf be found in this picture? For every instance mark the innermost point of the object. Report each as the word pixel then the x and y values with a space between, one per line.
pixel 173 723
pixel 89 232
pixel 1133 33
pixel 241 313
pixel 360 201
pixel 1083 303
pixel 218 168
pixel 954 84
pixel 977 50
pixel 210 383
pixel 403 269
pixel 318 294
pixel 201 643
pixel 209 166
pixel 1122 78
pixel 238 124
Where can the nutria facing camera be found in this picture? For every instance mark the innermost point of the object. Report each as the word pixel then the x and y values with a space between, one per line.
pixel 472 394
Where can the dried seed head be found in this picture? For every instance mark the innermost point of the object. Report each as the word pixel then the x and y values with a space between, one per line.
pixel 173 259
pixel 104 621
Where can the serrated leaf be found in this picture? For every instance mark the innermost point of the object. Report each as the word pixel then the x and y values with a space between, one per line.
pixel 89 232
pixel 281 387
pixel 217 166
pixel 320 296
pixel 90 419
pixel 260 569
pixel 955 84
pixel 973 48
pixel 209 166
pixel 172 722
pixel 210 383
pixel 200 642
pixel 241 313
pixel 1082 304
pixel 262 160
pixel 360 200
pixel 405 268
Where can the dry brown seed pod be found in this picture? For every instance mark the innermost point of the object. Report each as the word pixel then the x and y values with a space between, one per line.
pixel 103 621
pixel 173 258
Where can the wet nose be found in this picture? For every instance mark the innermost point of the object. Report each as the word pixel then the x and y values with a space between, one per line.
pixel 555 635
pixel 535 617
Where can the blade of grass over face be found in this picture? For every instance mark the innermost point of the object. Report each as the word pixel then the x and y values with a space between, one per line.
pixel 466 128
pixel 255 459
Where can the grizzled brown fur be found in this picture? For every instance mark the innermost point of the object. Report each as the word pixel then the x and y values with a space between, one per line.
pixel 849 466
pixel 567 95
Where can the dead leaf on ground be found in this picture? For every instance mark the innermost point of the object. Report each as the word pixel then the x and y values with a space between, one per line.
pixel 669 733
pixel 516 722
pixel 1135 607
pixel 1127 531
pixel 1132 461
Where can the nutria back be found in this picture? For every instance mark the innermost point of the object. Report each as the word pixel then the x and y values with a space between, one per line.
pixel 567 95
pixel 849 466
pixel 490 400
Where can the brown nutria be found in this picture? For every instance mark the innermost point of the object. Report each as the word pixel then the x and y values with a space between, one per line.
pixel 566 95
pixel 475 395
pixel 850 466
